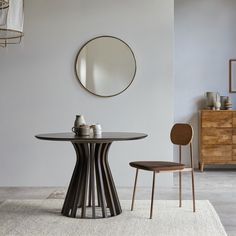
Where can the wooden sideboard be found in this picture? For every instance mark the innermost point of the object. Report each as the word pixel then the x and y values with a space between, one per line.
pixel 217 137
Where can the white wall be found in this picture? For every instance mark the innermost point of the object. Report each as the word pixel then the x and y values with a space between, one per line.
pixel 39 92
pixel 205 38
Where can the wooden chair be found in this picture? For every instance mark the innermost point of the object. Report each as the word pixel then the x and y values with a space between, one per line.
pixel 181 135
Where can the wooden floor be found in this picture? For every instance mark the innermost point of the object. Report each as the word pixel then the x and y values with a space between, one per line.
pixel 218 186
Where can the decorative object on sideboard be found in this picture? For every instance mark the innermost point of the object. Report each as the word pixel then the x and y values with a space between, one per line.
pixel 228 104
pixel 105 66
pixel 232 75
pixel 223 100
pixel 212 99
pixel 217 103
pixel 11 21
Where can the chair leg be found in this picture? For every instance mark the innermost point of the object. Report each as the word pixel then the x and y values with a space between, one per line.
pixel 193 192
pixel 134 191
pixel 153 188
pixel 180 189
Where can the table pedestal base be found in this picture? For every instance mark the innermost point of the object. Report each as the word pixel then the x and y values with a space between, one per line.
pixel 91 184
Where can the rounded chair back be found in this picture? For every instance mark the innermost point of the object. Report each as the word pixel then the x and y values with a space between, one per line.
pixel 181 134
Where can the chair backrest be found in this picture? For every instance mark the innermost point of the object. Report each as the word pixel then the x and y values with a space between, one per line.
pixel 181 134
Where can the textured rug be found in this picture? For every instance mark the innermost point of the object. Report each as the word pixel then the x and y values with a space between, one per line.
pixel 42 217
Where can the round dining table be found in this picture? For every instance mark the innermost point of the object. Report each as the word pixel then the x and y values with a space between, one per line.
pixel 91 192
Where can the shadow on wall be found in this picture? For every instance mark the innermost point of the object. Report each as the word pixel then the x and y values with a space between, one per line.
pixel 194 121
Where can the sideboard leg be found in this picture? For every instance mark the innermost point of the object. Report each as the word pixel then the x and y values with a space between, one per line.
pixel 201 166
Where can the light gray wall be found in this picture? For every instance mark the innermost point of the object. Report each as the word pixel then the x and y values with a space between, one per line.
pixel 39 92
pixel 205 39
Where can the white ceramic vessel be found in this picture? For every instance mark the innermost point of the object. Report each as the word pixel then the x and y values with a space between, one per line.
pixel 97 129
pixel 212 98
pixel 79 120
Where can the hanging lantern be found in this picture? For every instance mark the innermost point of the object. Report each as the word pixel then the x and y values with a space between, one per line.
pixel 11 21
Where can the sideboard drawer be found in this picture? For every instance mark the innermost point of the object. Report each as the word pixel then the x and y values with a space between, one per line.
pixel 234 152
pixel 217 119
pixel 216 152
pixel 234 136
pixel 234 119
pixel 217 136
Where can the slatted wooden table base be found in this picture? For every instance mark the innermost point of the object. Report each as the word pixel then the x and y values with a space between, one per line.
pixel 92 184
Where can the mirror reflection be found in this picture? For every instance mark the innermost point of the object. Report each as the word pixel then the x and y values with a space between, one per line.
pixel 105 66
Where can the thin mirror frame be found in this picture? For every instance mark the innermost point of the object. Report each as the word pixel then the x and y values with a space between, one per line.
pixel 232 76
pixel 105 36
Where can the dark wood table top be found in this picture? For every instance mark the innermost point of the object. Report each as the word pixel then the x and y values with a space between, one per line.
pixel 105 136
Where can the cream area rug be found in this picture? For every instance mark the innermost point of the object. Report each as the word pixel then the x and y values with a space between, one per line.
pixel 42 217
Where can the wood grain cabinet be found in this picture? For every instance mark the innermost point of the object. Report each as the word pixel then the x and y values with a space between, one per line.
pixel 217 137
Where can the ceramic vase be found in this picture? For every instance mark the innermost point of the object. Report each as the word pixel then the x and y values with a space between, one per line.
pixel 211 99
pixel 228 104
pixel 223 100
pixel 217 105
pixel 79 120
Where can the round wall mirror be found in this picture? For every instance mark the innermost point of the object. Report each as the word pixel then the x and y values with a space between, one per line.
pixel 105 66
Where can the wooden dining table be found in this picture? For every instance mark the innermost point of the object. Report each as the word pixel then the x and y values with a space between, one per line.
pixel 92 192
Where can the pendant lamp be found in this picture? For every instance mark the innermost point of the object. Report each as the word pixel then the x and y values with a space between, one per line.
pixel 11 21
